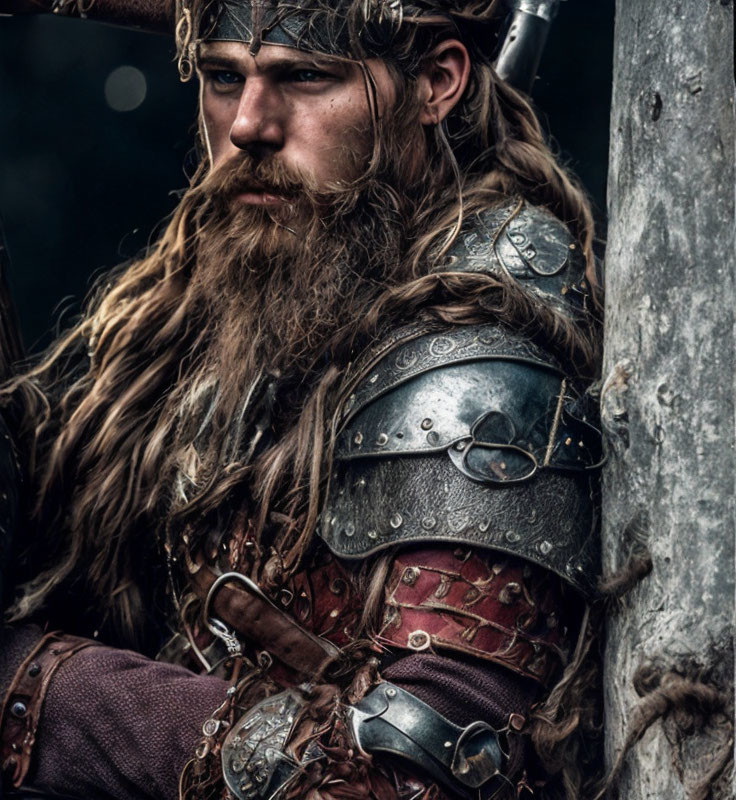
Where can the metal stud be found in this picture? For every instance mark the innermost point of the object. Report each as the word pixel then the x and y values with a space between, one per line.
pixel 381 439
pixel 396 521
pixel 358 438
pixel 545 547
pixel 19 709
pixel 372 535
pixel 419 640
pixel 427 424
pixel 410 576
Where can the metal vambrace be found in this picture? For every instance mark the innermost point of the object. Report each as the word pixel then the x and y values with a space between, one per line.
pixel 466 761
pixel 256 764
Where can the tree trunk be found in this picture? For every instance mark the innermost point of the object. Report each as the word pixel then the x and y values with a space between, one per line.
pixel 669 398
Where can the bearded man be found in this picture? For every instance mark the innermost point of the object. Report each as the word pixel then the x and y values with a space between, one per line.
pixel 325 450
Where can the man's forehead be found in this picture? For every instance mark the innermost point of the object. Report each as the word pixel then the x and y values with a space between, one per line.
pixel 269 54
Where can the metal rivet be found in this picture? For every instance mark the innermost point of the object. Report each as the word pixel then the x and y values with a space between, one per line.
pixel 428 523
pixel 448 745
pixel 349 529
pixel 512 536
pixel 516 722
pixel 419 640
pixel 410 576
pixel 390 692
pixel 433 437
pixel 568 441
pixel 396 521
pixel 19 709
pixel 361 482
pixel 545 547
pixel 34 669
pixel 373 378
pixel 381 439
pixel 427 424
pixel 460 446
pixel 573 247
pixel 372 535
pixel 358 438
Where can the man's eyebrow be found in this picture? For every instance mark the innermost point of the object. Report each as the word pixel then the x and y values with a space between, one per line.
pixel 222 62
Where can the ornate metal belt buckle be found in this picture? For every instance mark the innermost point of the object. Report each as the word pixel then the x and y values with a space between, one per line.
pixel 255 765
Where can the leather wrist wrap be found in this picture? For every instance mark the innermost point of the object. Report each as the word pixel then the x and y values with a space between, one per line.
pixel 21 710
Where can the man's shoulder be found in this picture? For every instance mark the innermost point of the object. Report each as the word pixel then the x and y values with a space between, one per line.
pixel 468 434
pixel 527 244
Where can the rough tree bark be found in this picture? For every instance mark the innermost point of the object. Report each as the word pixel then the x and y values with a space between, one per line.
pixel 669 397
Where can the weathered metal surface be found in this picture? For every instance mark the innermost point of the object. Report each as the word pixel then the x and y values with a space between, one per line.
pixel 668 398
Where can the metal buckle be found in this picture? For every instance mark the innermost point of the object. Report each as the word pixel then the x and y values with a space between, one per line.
pixel 216 626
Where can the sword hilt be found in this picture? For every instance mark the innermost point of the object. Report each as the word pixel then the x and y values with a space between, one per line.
pixel 523 46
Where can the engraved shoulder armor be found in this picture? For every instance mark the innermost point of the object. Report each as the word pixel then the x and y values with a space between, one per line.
pixel 530 245
pixel 471 436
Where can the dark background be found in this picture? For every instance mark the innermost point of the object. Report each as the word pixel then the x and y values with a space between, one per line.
pixel 82 184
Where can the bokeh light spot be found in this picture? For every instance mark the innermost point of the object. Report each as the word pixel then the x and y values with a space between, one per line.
pixel 125 88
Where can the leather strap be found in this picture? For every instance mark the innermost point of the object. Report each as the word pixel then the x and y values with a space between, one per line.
pixel 21 710
pixel 241 605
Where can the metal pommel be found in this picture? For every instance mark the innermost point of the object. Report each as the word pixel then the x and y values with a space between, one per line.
pixel 523 46
pixel 467 761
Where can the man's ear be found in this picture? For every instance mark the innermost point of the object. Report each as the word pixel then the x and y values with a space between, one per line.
pixel 443 80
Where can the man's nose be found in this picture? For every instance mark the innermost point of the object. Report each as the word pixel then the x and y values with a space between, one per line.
pixel 258 126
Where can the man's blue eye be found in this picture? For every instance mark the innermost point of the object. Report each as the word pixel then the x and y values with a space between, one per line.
pixel 225 78
pixel 308 75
